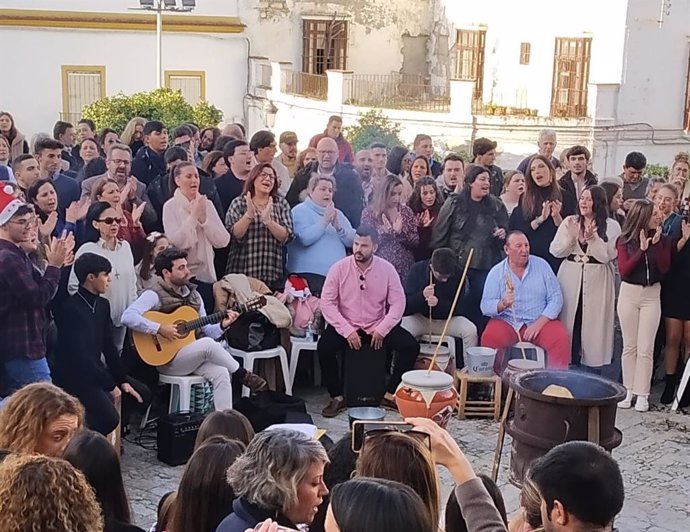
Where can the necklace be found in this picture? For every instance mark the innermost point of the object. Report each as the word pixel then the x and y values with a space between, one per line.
pixel 92 307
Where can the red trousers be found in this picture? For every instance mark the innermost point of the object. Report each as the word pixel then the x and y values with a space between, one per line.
pixel 553 339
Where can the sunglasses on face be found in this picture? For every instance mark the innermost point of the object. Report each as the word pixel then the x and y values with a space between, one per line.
pixel 110 221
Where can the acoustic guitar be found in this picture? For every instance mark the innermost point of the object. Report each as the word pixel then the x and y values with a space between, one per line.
pixel 158 351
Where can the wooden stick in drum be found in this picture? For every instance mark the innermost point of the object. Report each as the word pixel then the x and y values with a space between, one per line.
pixel 431 281
pixel 452 309
pixel 509 286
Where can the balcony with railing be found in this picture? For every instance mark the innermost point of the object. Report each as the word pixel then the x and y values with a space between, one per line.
pixel 314 86
pixel 398 91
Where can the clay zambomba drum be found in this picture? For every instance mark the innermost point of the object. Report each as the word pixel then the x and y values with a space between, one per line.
pixel 428 394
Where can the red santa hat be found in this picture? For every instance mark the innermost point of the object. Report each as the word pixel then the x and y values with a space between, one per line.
pixel 8 204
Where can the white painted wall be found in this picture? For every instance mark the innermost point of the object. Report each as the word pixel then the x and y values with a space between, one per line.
pixel 539 22
pixel 35 99
pixel 226 8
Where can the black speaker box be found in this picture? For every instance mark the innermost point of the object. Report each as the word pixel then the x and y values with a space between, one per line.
pixel 176 436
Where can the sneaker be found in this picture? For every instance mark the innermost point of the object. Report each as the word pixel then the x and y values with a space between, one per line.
pixel 642 403
pixel 334 407
pixel 254 382
pixel 627 402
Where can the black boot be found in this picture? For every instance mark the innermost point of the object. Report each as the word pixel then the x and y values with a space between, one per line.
pixel 685 400
pixel 670 389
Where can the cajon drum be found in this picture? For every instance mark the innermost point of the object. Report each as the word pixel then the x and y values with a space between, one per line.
pixel 364 376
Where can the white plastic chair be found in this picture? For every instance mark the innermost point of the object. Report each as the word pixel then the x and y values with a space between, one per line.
pixel 248 359
pixel 180 390
pixel 539 354
pixel 297 345
pixel 448 341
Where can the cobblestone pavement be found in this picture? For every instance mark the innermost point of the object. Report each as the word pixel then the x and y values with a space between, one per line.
pixel 654 458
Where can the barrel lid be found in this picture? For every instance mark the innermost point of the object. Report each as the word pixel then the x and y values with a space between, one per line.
pixel 430 380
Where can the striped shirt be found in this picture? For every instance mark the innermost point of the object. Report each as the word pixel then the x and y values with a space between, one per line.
pixel 537 294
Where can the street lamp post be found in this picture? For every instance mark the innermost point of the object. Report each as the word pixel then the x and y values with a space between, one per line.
pixel 159 6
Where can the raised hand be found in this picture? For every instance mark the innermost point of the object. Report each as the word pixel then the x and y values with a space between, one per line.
pixel 127 190
pixel 251 208
pixel 46 228
pixel 387 226
pixel 267 213
pixel 657 235
pixel 398 223
pixel 136 214
pixel 590 231
pixel 199 208
pixel 545 210
pixel 57 252
pixel 644 241
pixel 424 218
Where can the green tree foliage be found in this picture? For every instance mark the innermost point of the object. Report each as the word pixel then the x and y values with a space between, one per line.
pixel 658 170
pixel 166 105
pixel 373 126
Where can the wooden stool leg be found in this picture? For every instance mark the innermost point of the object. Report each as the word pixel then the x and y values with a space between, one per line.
pixel 497 398
pixel 463 398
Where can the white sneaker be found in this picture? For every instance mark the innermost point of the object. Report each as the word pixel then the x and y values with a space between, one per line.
pixel 642 403
pixel 627 402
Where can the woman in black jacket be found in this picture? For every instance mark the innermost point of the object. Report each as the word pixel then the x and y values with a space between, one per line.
pixel 473 219
pixel 542 208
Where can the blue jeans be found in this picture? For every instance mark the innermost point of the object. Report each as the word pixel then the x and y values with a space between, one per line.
pixel 22 371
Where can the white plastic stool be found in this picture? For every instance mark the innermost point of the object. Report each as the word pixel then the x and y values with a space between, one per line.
pixel 297 345
pixel 448 341
pixel 681 387
pixel 539 354
pixel 248 359
pixel 180 390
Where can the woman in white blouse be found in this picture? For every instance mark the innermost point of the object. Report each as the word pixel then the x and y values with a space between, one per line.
pixel 192 224
pixel 588 243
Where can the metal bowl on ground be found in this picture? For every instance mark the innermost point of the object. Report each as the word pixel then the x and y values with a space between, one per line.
pixel 365 413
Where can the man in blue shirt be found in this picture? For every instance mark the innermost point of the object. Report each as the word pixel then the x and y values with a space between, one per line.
pixel 523 299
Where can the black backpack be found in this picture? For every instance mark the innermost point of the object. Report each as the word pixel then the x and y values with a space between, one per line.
pixel 253 332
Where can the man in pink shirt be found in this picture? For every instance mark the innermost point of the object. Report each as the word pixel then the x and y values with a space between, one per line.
pixel 363 302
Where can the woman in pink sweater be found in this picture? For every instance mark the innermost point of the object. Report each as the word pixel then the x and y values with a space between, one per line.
pixel 191 223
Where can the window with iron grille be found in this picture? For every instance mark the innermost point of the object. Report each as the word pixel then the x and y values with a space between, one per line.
pixel 325 46
pixel 470 59
pixel 570 77
pixel 525 51
pixel 191 83
pixel 81 86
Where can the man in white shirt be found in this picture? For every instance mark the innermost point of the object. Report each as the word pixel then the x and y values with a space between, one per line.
pixel 205 356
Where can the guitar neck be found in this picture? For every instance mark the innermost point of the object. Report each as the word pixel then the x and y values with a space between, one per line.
pixel 206 320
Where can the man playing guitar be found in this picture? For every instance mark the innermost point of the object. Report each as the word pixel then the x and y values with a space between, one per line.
pixel 205 356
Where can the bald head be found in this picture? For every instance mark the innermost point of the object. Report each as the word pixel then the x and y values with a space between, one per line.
pixel 364 164
pixel 327 154
pixel 232 130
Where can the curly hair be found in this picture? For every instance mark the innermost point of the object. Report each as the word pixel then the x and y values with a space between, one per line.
pixel 29 410
pixel 39 493
pixel 269 473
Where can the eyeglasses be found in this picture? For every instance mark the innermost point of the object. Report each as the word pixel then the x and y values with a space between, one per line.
pixel 25 222
pixel 110 221
pixel 362 286
pixel 121 162
pixel 266 175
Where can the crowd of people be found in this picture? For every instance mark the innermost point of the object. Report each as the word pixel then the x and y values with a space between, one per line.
pixel 97 229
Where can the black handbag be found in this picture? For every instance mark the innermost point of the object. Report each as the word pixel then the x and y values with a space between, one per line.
pixel 270 408
pixel 253 331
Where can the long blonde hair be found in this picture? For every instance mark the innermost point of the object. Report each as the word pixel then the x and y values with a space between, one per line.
pixel 381 194
pixel 130 129
pixel 29 410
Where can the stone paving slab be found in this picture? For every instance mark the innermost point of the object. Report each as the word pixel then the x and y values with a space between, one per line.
pixel 654 459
